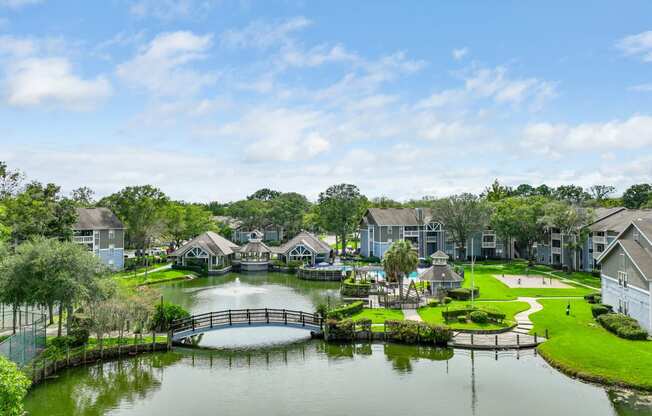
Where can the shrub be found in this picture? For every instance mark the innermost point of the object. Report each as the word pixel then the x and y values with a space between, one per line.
pixel 434 303
pixel 355 289
pixel 345 310
pixel 593 298
pixel 623 326
pixel 79 336
pixel 363 325
pixel 600 309
pixel 447 300
pixel 340 330
pixel 479 317
pixel 412 332
pixel 463 293
pixel 294 264
pixel 321 310
pixel 13 388
pixel 461 319
pixel 453 314
pixel 61 343
pixel 165 314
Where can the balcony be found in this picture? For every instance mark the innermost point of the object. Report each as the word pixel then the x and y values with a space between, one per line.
pixel 599 239
pixel 407 233
pixel 488 244
pixel 555 250
pixel 555 236
pixel 83 239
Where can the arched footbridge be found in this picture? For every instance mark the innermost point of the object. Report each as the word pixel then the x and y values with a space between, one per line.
pixel 242 318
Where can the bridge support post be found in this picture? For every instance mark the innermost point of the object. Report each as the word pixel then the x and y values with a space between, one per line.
pixel 248 317
pixel 285 317
pixel 211 320
pixel 230 321
pixel 266 315
pixel 303 320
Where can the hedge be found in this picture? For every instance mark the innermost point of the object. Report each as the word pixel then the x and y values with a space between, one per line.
pixel 454 313
pixel 412 332
pixel 623 326
pixel 593 297
pixel 345 310
pixel 463 293
pixel 354 289
pixel 340 330
pixel 435 302
pixel 600 309
pixel 479 317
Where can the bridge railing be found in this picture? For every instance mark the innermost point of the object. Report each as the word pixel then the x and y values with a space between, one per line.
pixel 246 317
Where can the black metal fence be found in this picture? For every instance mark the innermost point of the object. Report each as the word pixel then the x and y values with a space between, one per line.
pixel 25 333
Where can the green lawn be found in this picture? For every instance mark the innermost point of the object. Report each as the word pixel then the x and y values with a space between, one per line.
pixel 493 289
pixel 581 277
pixel 156 277
pixel 379 316
pixel 580 346
pixel 138 270
pixel 433 315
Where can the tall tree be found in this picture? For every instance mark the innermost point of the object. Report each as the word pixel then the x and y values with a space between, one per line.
pixel 600 192
pixel 384 202
pixel 340 209
pixel 524 190
pixel 141 209
pixel 252 212
pixel 543 190
pixel 185 221
pixel 462 215
pixel 287 211
pixel 496 192
pixel 637 195
pixel 13 388
pixel 40 211
pixel 571 193
pixel 520 218
pixel 264 194
pixel 83 197
pixel 10 181
pixel 571 221
pixel 400 260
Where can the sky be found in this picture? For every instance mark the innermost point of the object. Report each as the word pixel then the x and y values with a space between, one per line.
pixel 214 99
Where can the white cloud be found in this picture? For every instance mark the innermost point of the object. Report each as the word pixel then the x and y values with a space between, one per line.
pixel 280 134
pixel 316 56
pixel 641 88
pixel 33 76
pixel 170 9
pixel 494 83
pixel 161 65
pixel 553 139
pixel 16 4
pixel 261 34
pixel 639 45
pixel 460 53
pixel 36 81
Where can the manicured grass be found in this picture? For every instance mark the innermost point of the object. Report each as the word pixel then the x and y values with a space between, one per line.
pixel 581 277
pixel 434 316
pixel 131 273
pixel 379 316
pixel 156 277
pixel 580 346
pixel 493 289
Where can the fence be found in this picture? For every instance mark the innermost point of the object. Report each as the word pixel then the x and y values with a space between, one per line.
pixel 26 335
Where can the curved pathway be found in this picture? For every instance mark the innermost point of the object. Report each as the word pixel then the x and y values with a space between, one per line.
pixel 523 323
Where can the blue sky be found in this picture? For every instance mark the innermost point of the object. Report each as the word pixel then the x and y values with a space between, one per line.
pixel 211 100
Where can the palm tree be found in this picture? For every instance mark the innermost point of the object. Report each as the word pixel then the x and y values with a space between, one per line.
pixel 398 261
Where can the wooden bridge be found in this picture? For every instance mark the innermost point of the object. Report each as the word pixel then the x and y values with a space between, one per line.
pixel 240 318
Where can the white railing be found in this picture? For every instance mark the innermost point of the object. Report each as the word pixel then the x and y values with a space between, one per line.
pixel 410 233
pixel 556 236
pixel 488 244
pixel 556 250
pixel 83 239
pixel 599 239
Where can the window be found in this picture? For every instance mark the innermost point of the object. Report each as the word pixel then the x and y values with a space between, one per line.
pixel 111 250
pixel 111 234
pixel 636 236
pixel 622 279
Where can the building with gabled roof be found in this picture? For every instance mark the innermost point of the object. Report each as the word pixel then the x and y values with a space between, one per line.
pixel 102 232
pixel 208 250
pixel 304 247
pixel 626 272
pixel 254 256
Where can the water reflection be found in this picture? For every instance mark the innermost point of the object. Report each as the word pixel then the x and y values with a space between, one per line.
pixel 292 380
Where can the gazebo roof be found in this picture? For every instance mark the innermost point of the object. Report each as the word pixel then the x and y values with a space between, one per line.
pixel 440 273
pixel 439 255
pixel 255 246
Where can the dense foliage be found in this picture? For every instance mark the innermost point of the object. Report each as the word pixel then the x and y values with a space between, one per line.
pixel 13 388
pixel 346 310
pixel 165 314
pixel 413 332
pixel 623 326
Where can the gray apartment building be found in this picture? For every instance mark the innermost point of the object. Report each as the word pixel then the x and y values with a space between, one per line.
pixel 99 230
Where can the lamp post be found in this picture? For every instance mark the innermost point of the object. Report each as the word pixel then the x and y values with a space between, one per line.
pixel 472 273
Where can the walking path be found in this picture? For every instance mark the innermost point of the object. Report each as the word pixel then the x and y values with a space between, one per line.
pixel 563 279
pixel 518 337
pixel 158 269
pixel 411 315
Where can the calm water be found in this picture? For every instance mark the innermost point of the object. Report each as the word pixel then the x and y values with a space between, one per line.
pixel 280 374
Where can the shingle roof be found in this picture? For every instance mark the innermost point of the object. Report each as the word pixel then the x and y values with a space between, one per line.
pixel 398 216
pixel 440 273
pixel 96 219
pixel 439 255
pixel 618 221
pixel 645 225
pixel 254 246
pixel 641 257
pixel 307 239
pixel 210 242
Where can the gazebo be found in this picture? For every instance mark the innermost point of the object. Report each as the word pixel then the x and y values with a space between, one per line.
pixel 254 256
pixel 440 275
